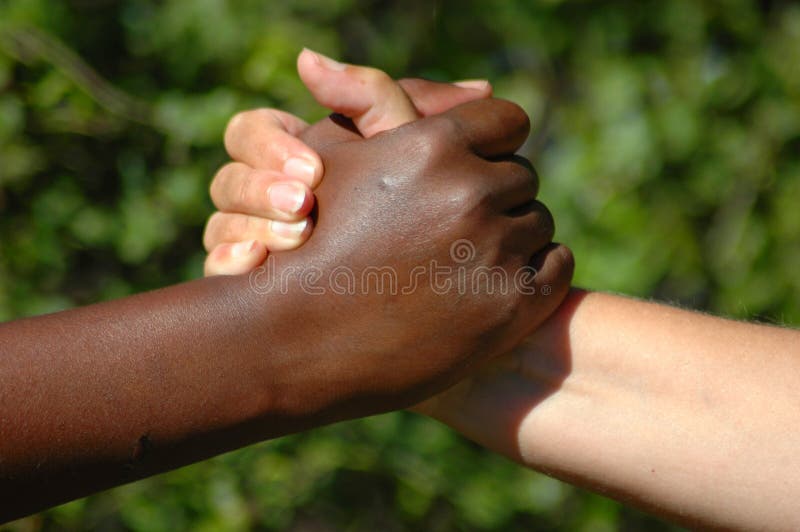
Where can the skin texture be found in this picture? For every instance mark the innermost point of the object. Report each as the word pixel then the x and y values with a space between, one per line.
pixel 689 416
pixel 103 395
pixel 685 415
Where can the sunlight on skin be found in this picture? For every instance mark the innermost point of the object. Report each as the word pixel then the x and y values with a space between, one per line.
pixel 240 236
pixel 639 401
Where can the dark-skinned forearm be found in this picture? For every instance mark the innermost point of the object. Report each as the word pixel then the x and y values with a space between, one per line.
pixel 102 395
pixel 106 394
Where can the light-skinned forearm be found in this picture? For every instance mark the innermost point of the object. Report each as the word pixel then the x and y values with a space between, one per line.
pixel 687 415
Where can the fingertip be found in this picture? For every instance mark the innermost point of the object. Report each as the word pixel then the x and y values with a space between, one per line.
pixel 306 63
pixel 313 66
pixel 290 235
pixel 368 96
pixel 324 61
pixel 235 259
pixel 306 167
pixel 308 205
pixel 330 82
pixel 305 235
pixel 292 198
pixel 325 84
pixel 480 85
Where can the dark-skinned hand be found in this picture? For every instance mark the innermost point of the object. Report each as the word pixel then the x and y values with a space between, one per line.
pixel 443 191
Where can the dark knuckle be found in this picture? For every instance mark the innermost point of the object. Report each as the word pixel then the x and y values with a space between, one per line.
pixel 506 308
pixel 469 199
pixel 440 130
pixel 566 264
pixel 545 223
pixel 515 114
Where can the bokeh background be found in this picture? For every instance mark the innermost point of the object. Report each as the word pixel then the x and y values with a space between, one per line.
pixel 666 133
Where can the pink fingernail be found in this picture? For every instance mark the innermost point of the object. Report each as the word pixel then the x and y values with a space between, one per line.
pixel 475 84
pixel 300 168
pixel 288 229
pixel 286 197
pixel 326 62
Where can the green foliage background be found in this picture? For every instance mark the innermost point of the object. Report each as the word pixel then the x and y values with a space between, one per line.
pixel 666 134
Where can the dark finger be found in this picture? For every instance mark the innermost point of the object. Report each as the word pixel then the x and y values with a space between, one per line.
pixel 490 127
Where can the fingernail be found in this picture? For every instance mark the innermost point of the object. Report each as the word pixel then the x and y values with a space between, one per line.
pixel 327 62
pixel 241 249
pixel 286 197
pixel 475 84
pixel 300 168
pixel 288 230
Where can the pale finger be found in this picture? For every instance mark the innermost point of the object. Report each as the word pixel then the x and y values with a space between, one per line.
pixel 432 98
pixel 266 139
pixel 235 259
pixel 368 96
pixel 276 235
pixel 240 188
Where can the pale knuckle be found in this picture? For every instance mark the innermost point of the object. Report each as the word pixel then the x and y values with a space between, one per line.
pixel 236 227
pixel 220 183
pixel 236 120
pixel 246 193
pixel 223 227
pixel 241 128
pixel 236 124
pixel 244 120
pixel 376 78
pixel 210 234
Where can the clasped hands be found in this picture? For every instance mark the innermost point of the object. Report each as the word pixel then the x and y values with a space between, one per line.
pixel 413 169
